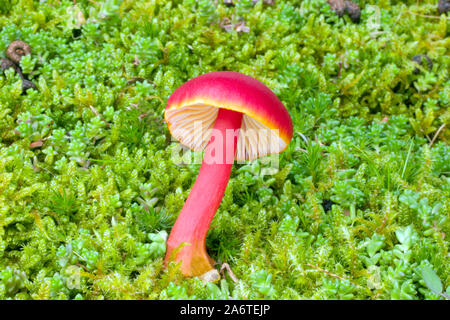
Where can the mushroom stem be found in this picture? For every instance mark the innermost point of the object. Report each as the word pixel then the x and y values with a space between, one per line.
pixel 186 242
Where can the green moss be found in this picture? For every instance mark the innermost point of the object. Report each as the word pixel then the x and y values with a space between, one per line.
pixel 86 215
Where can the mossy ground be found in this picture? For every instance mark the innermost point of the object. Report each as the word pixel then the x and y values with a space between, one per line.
pixel 89 189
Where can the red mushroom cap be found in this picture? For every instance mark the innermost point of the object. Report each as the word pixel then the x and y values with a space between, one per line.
pixel 266 124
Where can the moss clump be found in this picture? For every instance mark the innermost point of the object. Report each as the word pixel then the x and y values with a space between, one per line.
pixel 88 185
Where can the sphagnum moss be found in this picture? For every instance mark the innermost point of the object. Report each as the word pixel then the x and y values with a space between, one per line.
pixel 89 189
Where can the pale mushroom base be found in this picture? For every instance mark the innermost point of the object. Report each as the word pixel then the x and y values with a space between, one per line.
pixel 195 262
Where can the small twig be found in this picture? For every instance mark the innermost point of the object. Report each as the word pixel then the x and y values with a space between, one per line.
pixel 331 274
pixel 98 114
pixel 407 158
pixel 78 264
pixel 95 111
pixel 417 14
pixel 424 15
pixel 227 266
pixel 436 134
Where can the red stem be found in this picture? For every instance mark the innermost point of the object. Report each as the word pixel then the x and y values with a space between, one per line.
pixel 201 205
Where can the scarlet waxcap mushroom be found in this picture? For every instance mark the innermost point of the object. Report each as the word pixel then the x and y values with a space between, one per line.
pixel 200 98
pixel 200 114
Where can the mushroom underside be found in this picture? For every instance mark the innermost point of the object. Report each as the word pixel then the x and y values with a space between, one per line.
pixel 192 126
